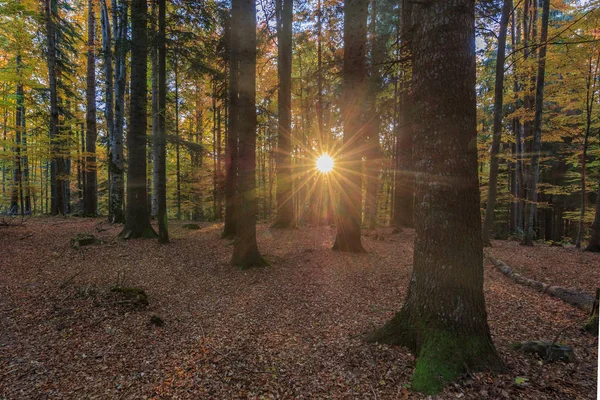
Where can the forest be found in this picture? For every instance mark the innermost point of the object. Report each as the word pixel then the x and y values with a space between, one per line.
pixel 299 199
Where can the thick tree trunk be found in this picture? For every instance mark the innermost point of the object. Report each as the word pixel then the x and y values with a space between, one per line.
pixel 90 200
pixel 497 135
pixel 405 177
pixel 245 248
pixel 231 148
pixel 137 219
pixel 537 131
pixel 285 204
pixel 160 158
pixel 444 319
pixel 155 110
pixel 354 81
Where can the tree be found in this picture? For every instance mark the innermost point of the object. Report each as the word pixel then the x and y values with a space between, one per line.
pixel 404 177
pixel 245 248
pixel 497 135
pixel 285 204
pixel 160 153
pixel 90 200
pixel 137 217
pixel 231 148
pixel 117 187
pixel 443 320
pixel 350 203
pixel 531 209
pixel 57 166
pixel 594 244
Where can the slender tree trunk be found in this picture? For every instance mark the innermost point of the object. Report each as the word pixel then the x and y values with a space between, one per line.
pixel 285 204
pixel 160 158
pixel 589 108
pixel 90 195
pixel 405 175
pixel 117 187
pixel 109 106
pixel 444 319
pixel 137 219
pixel 177 150
pixel 231 149
pixel 155 110
pixel 537 133
pixel 594 243
pixel 245 248
pixel 497 135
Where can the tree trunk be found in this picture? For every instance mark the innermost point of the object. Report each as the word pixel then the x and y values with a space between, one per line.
pixel 57 181
pixel 378 47
pixel 444 319
pixel 354 73
pixel 117 188
pixel 109 107
pixel 245 248
pixel 231 149
pixel 285 204
pixel 537 131
pixel 137 218
pixel 594 243
pixel 90 195
pixel 177 152
pixel 160 158
pixel 488 223
pixel 405 177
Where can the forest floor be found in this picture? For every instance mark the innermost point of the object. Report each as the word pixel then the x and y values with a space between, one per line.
pixel 291 330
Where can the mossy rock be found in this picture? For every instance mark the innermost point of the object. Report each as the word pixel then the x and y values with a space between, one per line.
pixel 191 227
pixel 132 295
pixel 82 239
pixel 546 350
pixel 591 326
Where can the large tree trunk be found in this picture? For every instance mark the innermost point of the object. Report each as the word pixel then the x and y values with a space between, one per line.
pixel 531 210
pixel 285 203
pixel 231 148
pixel 137 218
pixel 354 72
pixel 245 248
pixel 497 135
pixel 160 152
pixel 404 190
pixel 17 189
pixel 90 200
pixel 444 319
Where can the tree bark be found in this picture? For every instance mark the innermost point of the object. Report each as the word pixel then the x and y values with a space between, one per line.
pixel 285 204
pixel 245 248
pixel 497 135
pixel 109 106
pixel 231 149
pixel 137 218
pixel 160 159
pixel 444 319
pixel 57 181
pixel 594 243
pixel 405 176
pixel 354 81
pixel 90 200
pixel 537 131
pixel 117 187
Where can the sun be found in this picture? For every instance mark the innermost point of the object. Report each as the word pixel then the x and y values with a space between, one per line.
pixel 325 163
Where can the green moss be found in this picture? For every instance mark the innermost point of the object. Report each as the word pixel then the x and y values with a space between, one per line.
pixel 444 356
pixel 591 325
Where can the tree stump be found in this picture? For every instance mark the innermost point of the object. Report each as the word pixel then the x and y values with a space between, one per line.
pixel 82 239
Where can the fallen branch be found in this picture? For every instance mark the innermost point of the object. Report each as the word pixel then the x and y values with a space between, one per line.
pixel 581 300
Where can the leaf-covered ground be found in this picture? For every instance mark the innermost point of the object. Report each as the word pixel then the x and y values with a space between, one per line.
pixel 292 330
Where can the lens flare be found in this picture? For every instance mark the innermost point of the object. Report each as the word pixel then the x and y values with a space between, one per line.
pixel 325 163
